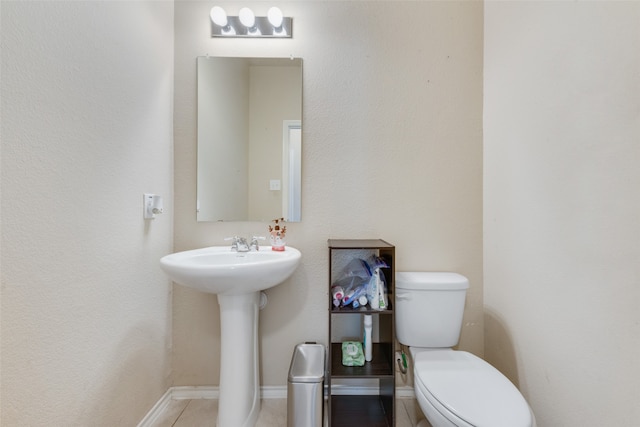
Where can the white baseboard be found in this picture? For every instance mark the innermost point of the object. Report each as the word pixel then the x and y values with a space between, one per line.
pixel 195 392
pixel 154 414
pixel 213 392
pixel 405 392
pixel 266 392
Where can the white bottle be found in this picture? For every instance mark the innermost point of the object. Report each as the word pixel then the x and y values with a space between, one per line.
pixel 382 292
pixel 368 325
pixel 373 295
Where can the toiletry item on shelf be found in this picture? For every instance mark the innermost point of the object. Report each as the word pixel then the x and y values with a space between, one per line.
pixel 375 288
pixel 352 354
pixel 337 292
pixel 352 296
pixel 357 267
pixel 363 300
pixel 276 235
pixel 373 293
pixel 382 292
pixel 374 262
pixel 350 283
pixel 376 291
pixel 366 339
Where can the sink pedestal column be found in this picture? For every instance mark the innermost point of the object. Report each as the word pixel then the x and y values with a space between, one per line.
pixel 239 402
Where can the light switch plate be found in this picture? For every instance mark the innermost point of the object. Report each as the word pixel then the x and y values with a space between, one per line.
pixel 274 184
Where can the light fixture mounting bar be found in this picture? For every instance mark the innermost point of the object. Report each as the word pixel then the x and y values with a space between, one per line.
pixel 262 28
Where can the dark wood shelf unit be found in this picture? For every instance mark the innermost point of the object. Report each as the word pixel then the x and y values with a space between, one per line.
pixel 371 410
pixel 361 310
pixel 350 411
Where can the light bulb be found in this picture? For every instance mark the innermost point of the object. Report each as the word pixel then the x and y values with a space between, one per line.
pixel 247 18
pixel 219 16
pixel 275 17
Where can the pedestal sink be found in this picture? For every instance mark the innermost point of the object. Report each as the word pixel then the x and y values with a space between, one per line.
pixel 237 278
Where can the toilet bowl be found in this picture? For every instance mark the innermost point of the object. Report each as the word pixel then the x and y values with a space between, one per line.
pixel 453 388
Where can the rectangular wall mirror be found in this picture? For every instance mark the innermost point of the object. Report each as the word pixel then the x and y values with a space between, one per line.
pixel 249 139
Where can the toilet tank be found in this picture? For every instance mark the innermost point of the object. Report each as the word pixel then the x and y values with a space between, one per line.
pixel 429 308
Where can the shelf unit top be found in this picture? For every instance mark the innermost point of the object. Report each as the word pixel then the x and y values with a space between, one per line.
pixel 358 244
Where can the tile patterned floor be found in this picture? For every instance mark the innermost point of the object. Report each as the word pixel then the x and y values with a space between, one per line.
pixel 273 413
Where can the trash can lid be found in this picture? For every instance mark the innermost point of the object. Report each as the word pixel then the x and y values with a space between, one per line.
pixel 307 364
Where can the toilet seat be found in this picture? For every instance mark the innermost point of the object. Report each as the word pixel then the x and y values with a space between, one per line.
pixel 467 390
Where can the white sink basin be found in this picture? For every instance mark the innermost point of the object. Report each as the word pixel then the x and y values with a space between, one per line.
pixel 218 270
pixel 237 278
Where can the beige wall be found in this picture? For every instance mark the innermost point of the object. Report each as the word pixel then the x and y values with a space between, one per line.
pixel 392 148
pixel 86 130
pixel 562 207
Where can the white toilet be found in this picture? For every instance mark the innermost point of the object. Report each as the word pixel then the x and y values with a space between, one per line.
pixel 453 388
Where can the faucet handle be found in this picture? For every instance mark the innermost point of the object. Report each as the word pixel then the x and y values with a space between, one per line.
pixel 254 242
pixel 234 243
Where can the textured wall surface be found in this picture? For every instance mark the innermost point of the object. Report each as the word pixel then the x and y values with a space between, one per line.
pixel 86 130
pixel 562 207
pixel 392 148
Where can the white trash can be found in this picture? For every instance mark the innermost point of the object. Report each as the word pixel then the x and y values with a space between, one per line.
pixel 305 391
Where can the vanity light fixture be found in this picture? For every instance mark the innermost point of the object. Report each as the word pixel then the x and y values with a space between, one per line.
pixel 246 24
pixel 219 18
pixel 248 19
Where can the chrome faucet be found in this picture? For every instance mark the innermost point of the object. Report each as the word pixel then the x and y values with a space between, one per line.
pixel 254 245
pixel 239 244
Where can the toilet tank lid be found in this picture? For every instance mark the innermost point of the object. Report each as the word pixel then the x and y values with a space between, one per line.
pixel 431 281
